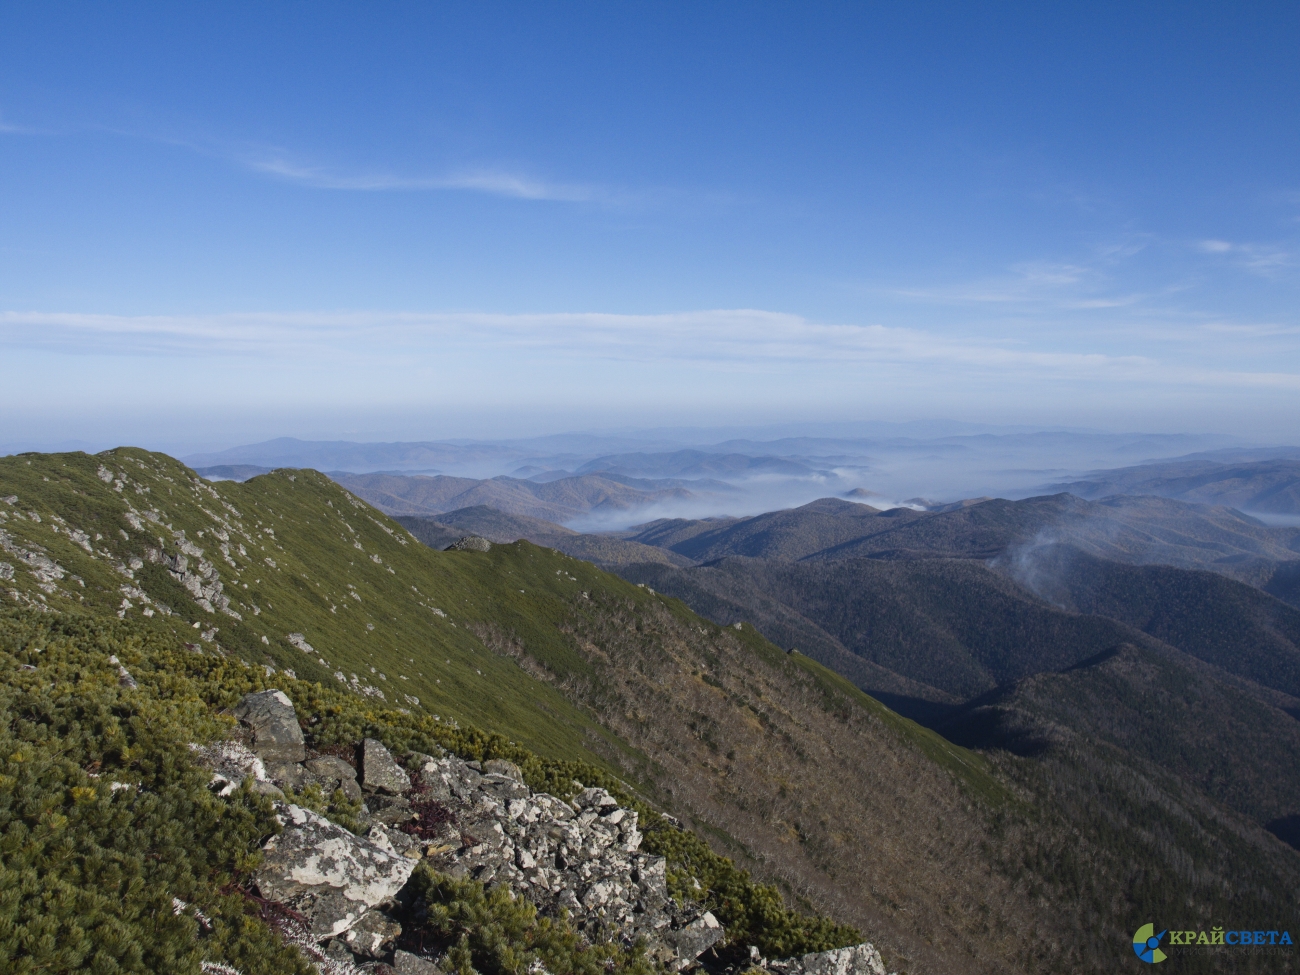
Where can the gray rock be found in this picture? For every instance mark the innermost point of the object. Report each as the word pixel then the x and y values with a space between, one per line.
pixel 405 963
pixel 389 810
pixel 394 841
pixel 287 775
pixel 274 724
pixel 327 874
pixel 470 543
pixel 230 764
pixel 499 766
pixel 861 959
pixel 369 935
pixel 586 862
pixel 693 939
pixel 379 772
pixel 331 773
pixel 330 766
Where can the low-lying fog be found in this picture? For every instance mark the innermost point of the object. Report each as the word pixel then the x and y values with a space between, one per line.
pixel 737 473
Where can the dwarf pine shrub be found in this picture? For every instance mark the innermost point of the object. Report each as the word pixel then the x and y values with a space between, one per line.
pixel 116 857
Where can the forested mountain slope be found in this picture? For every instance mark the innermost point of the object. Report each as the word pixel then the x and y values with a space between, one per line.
pixel 1136 530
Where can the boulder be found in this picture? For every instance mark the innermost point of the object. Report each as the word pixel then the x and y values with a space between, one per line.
pixel 405 963
pixel 326 874
pixel 470 543
pixel 693 939
pixel 287 775
pixel 369 935
pixel 861 959
pixel 379 772
pixel 331 772
pixel 230 764
pixel 389 810
pixel 394 841
pixel 269 715
pixel 499 766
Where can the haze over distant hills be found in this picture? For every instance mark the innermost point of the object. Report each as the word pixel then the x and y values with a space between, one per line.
pixel 696 474
pixel 1241 479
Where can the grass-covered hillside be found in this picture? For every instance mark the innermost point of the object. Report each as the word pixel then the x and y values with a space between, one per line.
pixel 293 553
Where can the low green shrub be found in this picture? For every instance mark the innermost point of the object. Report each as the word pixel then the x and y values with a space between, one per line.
pixel 105 818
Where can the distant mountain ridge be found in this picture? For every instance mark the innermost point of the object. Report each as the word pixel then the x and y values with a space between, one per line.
pixel 1124 529
pixel 1270 486
pixel 556 501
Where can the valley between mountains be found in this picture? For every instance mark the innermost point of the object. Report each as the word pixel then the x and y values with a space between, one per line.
pixel 989 739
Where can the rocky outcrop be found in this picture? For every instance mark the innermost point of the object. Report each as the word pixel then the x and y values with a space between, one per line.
pixel 230 764
pixel 481 821
pixel 330 876
pixel 470 543
pixel 581 857
pixel 331 772
pixel 270 716
pixel 861 959
pixel 200 578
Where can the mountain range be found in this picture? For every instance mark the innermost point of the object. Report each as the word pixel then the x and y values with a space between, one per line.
pixel 767 469
pixel 1263 486
pixel 1104 742
pixel 938 613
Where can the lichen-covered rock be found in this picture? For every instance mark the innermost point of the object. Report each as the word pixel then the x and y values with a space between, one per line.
pixel 394 841
pixel 369 936
pixel 861 959
pixel 389 810
pixel 230 764
pixel 499 766
pixel 694 938
pixel 379 771
pixel 331 772
pixel 274 724
pixel 405 963
pixel 326 874
pixel 581 857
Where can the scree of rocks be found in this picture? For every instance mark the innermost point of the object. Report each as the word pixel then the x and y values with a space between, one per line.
pixel 468 820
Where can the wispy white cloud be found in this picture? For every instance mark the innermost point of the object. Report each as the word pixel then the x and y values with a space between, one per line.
pixel 1262 259
pixel 714 339
pixel 496 182
pixel 9 128
pixel 278 163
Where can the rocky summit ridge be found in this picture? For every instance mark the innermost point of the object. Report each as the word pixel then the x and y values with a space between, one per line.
pixel 577 859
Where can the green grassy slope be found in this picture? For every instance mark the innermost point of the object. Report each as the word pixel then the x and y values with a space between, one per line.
pixel 305 557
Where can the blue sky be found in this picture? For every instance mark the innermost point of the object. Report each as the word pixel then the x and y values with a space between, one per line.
pixel 227 222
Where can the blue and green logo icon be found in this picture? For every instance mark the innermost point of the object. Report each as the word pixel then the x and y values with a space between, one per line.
pixel 1146 944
